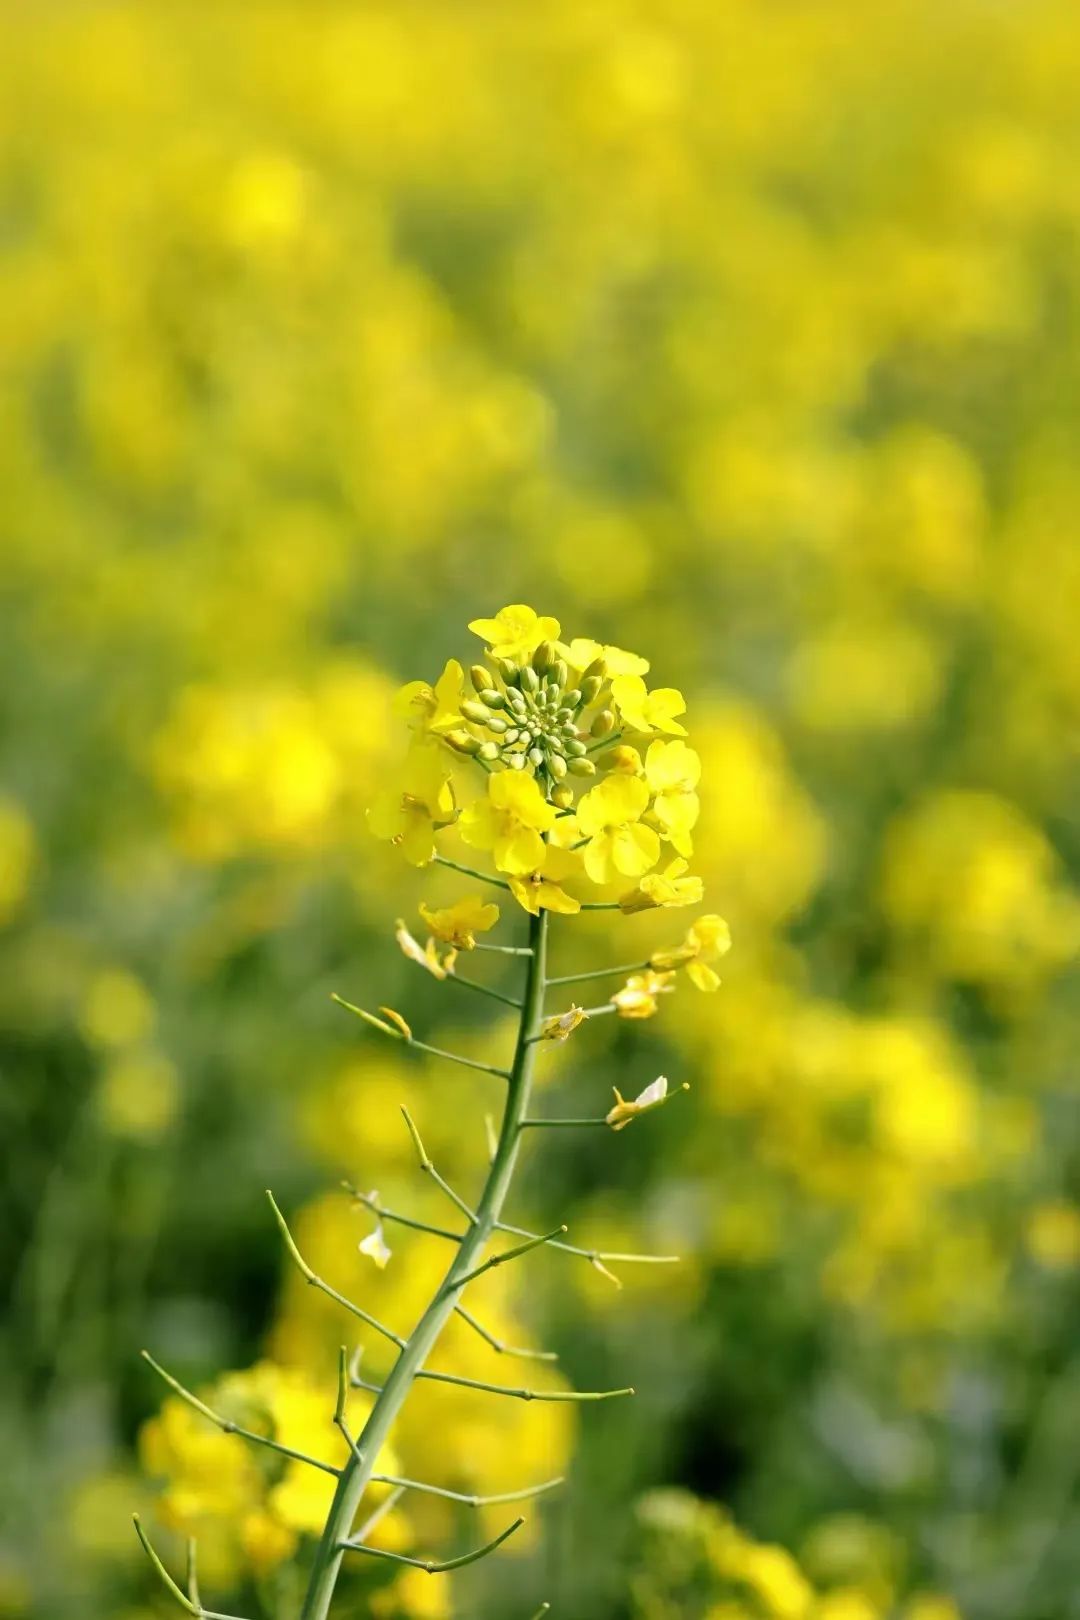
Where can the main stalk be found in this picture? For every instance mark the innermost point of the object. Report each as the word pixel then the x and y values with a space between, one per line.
pixel 358 1469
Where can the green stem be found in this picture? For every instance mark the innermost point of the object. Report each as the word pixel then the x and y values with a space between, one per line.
pixel 356 1475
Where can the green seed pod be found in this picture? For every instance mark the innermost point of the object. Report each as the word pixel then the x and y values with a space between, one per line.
pixel 536 757
pixel 596 668
pixel 563 797
pixel 543 656
pixel 480 677
pixel 574 746
pixel 497 724
pixel 590 687
pixel 572 699
pixel 556 765
pixel 475 711
pixel 582 767
pixel 492 699
pixel 488 751
pixel 604 722
pixel 462 742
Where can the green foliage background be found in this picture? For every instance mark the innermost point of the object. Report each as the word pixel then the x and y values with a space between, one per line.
pixel 740 334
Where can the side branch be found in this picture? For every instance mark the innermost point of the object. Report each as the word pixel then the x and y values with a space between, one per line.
pixel 192 1605
pixel 499 1345
pixel 404 1033
pixel 369 1201
pixel 429 1564
pixel 227 1426
pixel 460 1496
pixel 429 1169
pixel 457 1283
pixel 524 1394
pixel 317 1282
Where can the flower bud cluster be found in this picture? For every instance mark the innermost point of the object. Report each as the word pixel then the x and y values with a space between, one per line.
pixel 526 716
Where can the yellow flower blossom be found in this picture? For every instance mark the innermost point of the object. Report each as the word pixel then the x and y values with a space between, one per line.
pixel 620 843
pixel 459 924
pixel 515 631
pixel 673 771
pixel 435 708
pixel 422 801
pixel 581 652
pixel 510 822
pixel 647 711
pixel 638 996
pixel 708 939
pixel 667 888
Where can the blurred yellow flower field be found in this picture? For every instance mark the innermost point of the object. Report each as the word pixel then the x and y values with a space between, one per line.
pixel 741 337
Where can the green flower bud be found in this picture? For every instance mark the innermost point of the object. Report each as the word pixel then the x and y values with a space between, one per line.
pixel 463 742
pixel 475 711
pixel 516 701
pixel 574 746
pixel 516 762
pixel 492 699
pixel 480 677
pixel 511 736
pixel 536 757
pixel 572 699
pixel 560 673
pixel 596 668
pixel 582 767
pixel 507 670
pixel 604 722
pixel 488 751
pixel 542 657
pixel 496 723
pixel 556 765
pixel 590 687
pixel 528 679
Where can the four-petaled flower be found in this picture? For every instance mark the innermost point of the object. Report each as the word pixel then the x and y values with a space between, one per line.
pixel 581 652
pixel 459 924
pixel 638 997
pixel 409 813
pixel 515 631
pixel 437 708
pixel 647 711
pixel 620 843
pixel 667 888
pixel 509 822
pixel 673 771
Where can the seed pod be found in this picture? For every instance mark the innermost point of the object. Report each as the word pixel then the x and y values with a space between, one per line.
pixel 572 699
pixel 528 679
pixel 543 656
pixel 604 722
pixel 536 757
pixel 480 677
pixel 488 751
pixel 590 687
pixel 497 724
pixel 582 767
pixel 574 746
pixel 472 710
pixel 463 742
pixel 493 699
pixel 563 797
pixel 556 765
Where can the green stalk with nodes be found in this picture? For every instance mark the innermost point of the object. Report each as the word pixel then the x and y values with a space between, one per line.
pixel 530 730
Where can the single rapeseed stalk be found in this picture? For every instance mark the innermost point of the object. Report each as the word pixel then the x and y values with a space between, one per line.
pixel 542 720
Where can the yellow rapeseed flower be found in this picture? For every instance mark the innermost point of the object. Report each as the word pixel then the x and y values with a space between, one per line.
pixel 638 996
pixel 409 813
pixel 673 771
pixel 620 843
pixel 647 711
pixel 459 924
pixel 707 939
pixel 509 822
pixel 515 631
pixel 671 887
pixel 436 708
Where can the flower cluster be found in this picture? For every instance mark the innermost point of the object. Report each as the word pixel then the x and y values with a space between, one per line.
pixel 570 799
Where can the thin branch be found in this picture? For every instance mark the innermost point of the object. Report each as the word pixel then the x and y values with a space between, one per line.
pixel 369 1201
pixel 523 1394
pixel 501 1259
pixel 469 871
pixel 193 1572
pixel 460 1496
pixel 503 950
pixel 379 1514
pixel 340 1417
pixel 499 1345
pixel 595 1256
pixel 545 1608
pixel 454 977
pixel 600 973
pixel 317 1282
pixel 411 1040
pixel 604 742
pixel 600 905
pixel 556 1122
pixel 227 1426
pixel 429 1564
pixel 429 1169
pixel 167 1581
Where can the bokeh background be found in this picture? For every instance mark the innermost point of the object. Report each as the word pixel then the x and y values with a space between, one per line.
pixel 743 334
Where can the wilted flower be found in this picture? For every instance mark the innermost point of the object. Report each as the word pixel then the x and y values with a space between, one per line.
pixel 562 1025
pixel 707 940
pixel 459 924
pixel 667 888
pixel 653 1096
pixel 638 996
pixel 376 1247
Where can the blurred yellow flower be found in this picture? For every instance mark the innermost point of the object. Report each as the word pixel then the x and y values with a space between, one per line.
pixel 17 857
pixel 409 814
pixel 459 924
pixel 707 940
pixel 433 708
pixel 671 887
pixel 116 1009
pixel 1052 1235
pixel 639 996
pixel 672 771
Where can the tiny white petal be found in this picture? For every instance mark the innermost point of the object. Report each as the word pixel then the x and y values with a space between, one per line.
pixel 376 1248
pixel 652 1094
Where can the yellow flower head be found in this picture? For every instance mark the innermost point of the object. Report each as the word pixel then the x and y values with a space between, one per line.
pixel 459 924
pixel 667 888
pixel 620 844
pixel 647 711
pixel 509 822
pixel 422 801
pixel 515 631
pixel 707 940
pixel 435 708
pixel 638 996
pixel 581 653
pixel 672 771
